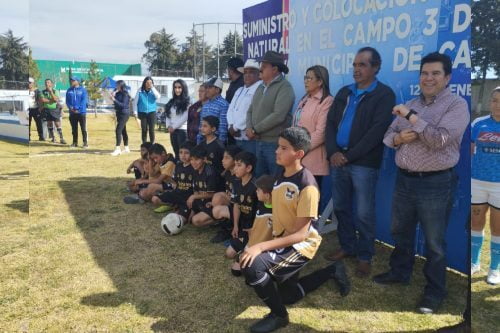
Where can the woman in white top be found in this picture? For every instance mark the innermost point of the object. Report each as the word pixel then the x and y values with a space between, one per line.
pixel 177 114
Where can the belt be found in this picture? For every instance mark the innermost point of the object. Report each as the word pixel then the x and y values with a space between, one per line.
pixel 422 174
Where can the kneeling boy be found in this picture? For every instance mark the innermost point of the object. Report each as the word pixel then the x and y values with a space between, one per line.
pixel 205 184
pixel 295 199
pixel 181 186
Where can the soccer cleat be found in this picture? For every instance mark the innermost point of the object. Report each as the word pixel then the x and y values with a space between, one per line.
pixel 163 209
pixel 126 149
pixel 474 268
pixel 85 146
pixel 133 199
pixel 62 141
pixel 116 152
pixel 493 276
pixel 269 323
pixel 74 145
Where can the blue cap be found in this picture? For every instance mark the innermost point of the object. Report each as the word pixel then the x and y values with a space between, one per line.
pixel 75 78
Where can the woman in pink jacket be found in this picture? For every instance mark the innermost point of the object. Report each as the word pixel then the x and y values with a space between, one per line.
pixel 311 113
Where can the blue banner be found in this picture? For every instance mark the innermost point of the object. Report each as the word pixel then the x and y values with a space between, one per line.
pixel 329 32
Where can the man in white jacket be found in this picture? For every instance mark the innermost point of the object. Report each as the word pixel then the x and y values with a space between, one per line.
pixel 237 112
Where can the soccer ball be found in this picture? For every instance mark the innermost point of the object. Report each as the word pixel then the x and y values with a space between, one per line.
pixel 172 223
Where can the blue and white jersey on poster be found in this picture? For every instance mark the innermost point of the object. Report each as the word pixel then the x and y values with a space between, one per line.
pixel 485 134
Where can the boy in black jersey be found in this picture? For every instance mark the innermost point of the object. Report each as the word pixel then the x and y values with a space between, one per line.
pixel 243 203
pixel 223 198
pixel 205 183
pixel 181 187
pixel 262 229
pixel 272 267
pixel 214 148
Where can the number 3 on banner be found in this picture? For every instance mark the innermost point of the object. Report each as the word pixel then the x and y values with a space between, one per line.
pixel 431 21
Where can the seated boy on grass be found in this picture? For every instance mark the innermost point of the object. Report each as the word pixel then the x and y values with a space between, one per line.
pixel 241 211
pixel 295 199
pixel 139 167
pixel 262 229
pixel 223 198
pixel 205 184
pixel 164 165
pixel 214 148
pixel 181 187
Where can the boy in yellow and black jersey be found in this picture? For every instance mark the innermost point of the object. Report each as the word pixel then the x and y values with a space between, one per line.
pixel 295 199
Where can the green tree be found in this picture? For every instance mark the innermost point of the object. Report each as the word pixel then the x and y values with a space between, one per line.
pixel 186 60
pixel 227 48
pixel 34 72
pixel 92 84
pixel 161 52
pixel 13 59
pixel 485 51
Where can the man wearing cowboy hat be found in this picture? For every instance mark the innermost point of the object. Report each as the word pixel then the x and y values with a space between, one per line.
pixel 269 112
pixel 237 112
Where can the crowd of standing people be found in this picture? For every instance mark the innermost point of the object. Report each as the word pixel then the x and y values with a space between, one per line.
pixel 251 159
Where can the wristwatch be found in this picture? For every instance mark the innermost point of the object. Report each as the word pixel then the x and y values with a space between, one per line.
pixel 408 115
pixel 254 131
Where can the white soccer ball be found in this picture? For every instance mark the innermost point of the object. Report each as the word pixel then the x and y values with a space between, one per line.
pixel 172 223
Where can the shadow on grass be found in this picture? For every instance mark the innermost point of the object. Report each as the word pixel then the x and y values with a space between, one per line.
pixel 74 151
pixel 185 282
pixel 14 175
pixel 20 205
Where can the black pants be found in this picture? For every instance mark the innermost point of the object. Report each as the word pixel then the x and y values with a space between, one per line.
pixel 177 138
pixel 75 119
pixel 37 115
pixel 148 121
pixel 121 129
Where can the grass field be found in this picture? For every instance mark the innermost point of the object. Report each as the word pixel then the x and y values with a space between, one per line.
pixel 82 261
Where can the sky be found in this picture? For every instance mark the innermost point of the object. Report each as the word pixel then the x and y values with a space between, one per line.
pixel 111 31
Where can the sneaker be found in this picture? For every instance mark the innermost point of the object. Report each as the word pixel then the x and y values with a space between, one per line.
pixel 53 140
pixel 474 268
pixel 126 150
pixel 85 146
pixel 73 145
pixel 429 305
pixel 269 323
pixel 133 199
pixel 493 276
pixel 116 152
pixel 163 209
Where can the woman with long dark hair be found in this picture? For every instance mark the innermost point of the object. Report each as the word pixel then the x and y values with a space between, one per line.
pixel 176 112
pixel 145 108
pixel 121 100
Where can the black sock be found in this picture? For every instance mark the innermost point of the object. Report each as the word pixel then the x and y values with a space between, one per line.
pixel 268 293
pixel 51 132
pixel 59 131
pixel 314 280
pixel 291 292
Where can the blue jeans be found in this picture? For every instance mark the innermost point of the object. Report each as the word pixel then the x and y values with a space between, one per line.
pixel 266 158
pixel 246 145
pixel 354 184
pixel 428 201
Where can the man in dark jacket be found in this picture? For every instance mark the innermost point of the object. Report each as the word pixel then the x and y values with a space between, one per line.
pixel 356 124
pixel 235 77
